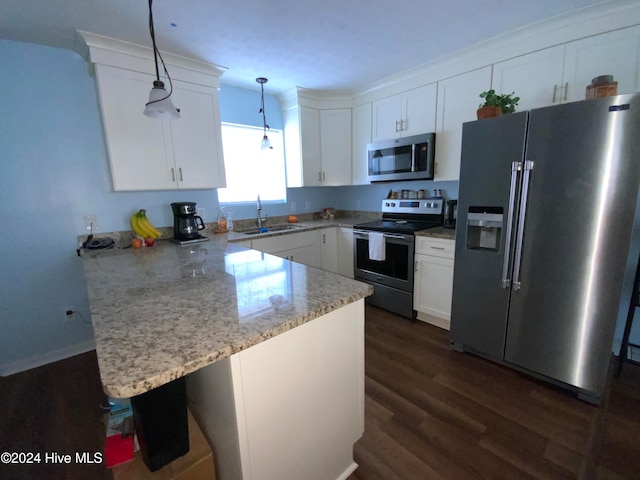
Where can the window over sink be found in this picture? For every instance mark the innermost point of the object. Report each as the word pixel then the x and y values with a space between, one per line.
pixel 251 171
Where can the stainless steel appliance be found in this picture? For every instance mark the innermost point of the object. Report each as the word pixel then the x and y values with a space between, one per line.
pixel 407 158
pixel 186 224
pixel 391 274
pixel 545 224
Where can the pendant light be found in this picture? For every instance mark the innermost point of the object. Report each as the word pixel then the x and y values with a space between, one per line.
pixel 159 104
pixel 265 144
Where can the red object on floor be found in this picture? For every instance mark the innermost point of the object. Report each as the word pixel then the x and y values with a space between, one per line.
pixel 117 450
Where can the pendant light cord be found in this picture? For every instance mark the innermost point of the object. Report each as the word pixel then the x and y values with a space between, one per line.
pixel 264 118
pixel 156 54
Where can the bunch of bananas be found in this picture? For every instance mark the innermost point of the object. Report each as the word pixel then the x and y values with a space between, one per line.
pixel 142 226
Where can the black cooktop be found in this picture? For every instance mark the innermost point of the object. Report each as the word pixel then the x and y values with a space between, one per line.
pixel 398 226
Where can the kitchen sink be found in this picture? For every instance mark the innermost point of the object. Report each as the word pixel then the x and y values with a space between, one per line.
pixel 273 228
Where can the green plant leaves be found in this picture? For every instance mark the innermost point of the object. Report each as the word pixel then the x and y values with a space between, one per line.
pixel 507 102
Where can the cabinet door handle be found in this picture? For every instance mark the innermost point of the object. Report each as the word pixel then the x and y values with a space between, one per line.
pixel 397 130
pixel 180 170
pixel 324 238
pixel 173 174
pixel 555 88
pixel 324 176
pixel 566 91
pixel 403 125
pixel 437 248
pixel 319 176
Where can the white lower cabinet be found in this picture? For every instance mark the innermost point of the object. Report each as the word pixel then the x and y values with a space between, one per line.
pixel 307 255
pixel 433 280
pixel 345 251
pixel 290 407
pixel 301 247
pixel 328 248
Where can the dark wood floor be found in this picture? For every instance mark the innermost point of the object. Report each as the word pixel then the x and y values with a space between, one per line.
pixel 53 409
pixel 430 413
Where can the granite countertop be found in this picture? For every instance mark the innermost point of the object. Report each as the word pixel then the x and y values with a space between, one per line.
pixel 438 232
pixel 346 222
pixel 162 312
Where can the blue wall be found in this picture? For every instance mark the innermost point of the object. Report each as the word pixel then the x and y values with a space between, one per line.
pixel 55 171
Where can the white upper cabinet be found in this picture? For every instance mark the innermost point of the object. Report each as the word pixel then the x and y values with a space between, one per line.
pixel 536 78
pixel 317 146
pixel 409 113
pixel 615 53
pixel 196 136
pixel 458 99
pixel 561 74
pixel 360 137
pixel 335 146
pixel 310 146
pixel 137 145
pixel 153 154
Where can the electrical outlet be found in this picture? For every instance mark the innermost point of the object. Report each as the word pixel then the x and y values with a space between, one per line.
pixel 307 205
pixel 91 223
pixel 294 206
pixel 69 313
pixel 201 213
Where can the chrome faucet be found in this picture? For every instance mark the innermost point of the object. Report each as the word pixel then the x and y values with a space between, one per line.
pixel 260 220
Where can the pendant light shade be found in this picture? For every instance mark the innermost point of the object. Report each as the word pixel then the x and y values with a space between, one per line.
pixel 265 144
pixel 159 104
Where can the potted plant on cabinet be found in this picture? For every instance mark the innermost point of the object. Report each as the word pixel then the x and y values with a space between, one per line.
pixel 495 104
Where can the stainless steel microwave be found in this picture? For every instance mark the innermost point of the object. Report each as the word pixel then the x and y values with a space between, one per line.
pixel 407 158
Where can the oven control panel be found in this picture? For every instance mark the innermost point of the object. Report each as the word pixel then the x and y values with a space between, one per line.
pixel 433 205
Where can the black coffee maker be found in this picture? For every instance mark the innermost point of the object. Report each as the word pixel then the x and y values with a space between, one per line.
pixel 186 224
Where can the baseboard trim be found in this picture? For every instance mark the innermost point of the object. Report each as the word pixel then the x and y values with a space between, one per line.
pixel 438 322
pixel 350 469
pixel 45 358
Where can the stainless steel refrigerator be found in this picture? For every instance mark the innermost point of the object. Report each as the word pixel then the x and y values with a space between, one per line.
pixel 545 234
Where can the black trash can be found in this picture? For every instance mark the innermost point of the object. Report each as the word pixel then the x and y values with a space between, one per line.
pixel 161 423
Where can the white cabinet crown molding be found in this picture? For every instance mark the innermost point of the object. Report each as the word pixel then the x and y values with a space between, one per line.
pixel 102 50
pixel 561 29
pixel 320 100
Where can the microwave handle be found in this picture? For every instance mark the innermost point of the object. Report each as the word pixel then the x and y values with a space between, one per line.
pixel 413 157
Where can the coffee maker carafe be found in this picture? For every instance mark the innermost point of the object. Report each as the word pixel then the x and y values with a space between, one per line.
pixel 186 224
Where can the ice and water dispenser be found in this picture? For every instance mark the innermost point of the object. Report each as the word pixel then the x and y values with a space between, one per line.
pixel 484 228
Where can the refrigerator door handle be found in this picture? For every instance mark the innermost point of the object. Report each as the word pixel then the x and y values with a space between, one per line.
pixel 515 168
pixel 528 166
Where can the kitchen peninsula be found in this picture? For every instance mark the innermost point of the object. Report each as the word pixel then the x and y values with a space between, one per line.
pixel 274 350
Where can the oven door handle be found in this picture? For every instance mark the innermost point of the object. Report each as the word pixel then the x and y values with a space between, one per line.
pixel 386 235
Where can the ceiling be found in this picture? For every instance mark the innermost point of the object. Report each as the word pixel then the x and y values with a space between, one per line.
pixel 323 45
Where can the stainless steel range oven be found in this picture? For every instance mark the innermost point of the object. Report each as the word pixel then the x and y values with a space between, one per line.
pixel 384 251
